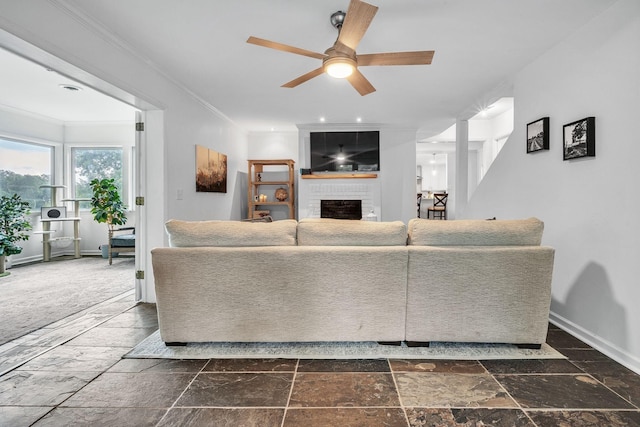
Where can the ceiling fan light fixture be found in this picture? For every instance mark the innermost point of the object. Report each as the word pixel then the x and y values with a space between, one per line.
pixel 339 67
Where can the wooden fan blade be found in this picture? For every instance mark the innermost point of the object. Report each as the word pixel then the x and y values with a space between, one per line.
pixel 284 47
pixel 360 83
pixel 396 58
pixel 357 20
pixel 303 78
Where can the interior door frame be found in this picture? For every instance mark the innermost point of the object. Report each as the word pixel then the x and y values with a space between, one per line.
pixel 139 175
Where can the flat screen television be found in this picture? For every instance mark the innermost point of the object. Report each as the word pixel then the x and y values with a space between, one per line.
pixel 345 151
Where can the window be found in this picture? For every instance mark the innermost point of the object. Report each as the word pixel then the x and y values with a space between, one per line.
pixel 24 167
pixel 91 163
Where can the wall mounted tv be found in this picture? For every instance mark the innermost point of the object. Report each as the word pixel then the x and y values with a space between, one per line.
pixel 345 151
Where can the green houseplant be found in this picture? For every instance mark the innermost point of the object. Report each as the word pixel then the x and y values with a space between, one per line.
pixel 13 226
pixel 106 205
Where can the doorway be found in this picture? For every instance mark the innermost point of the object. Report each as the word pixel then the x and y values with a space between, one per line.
pixel 54 68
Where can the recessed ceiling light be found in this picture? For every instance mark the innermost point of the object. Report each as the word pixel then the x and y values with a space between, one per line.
pixel 71 88
pixel 359 119
pixel 322 119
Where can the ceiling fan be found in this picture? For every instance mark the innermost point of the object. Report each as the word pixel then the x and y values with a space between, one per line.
pixel 340 60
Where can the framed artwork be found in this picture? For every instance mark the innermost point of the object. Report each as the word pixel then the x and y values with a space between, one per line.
pixel 211 171
pixel 579 138
pixel 538 135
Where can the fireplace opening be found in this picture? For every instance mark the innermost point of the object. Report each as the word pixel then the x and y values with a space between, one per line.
pixel 341 209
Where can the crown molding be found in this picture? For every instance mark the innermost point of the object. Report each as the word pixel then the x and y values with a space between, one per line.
pixel 30 114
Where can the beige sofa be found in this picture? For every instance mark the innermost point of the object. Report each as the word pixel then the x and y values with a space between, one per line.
pixel 341 280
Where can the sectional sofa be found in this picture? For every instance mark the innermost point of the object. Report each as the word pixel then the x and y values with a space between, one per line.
pixel 345 280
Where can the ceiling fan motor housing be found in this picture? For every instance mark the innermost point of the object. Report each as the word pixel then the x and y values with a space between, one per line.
pixel 337 19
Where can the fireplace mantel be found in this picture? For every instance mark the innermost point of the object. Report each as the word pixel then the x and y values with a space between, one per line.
pixel 340 176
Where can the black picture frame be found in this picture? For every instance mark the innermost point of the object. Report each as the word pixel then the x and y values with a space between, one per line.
pixel 538 135
pixel 579 139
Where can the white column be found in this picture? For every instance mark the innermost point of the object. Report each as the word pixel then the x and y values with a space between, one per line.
pixel 462 166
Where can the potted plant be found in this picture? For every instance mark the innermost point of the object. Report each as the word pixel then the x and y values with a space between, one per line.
pixel 106 205
pixel 13 227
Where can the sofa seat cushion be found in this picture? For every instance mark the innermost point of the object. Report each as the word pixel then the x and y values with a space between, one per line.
pixel 519 232
pixel 124 241
pixel 344 232
pixel 231 233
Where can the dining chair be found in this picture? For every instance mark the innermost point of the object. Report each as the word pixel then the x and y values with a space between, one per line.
pixel 439 207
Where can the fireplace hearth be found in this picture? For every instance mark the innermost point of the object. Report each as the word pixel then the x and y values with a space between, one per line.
pixel 341 209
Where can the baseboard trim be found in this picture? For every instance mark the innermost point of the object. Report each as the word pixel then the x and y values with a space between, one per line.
pixel 605 347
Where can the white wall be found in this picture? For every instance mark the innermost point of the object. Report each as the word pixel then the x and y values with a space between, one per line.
pixel 501 128
pixel 431 181
pixel 17 124
pixel 273 146
pixel 398 183
pixel 589 206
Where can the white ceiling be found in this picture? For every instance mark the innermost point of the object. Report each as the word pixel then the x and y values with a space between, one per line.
pixel 29 87
pixel 201 45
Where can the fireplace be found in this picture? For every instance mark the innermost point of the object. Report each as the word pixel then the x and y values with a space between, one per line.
pixel 341 209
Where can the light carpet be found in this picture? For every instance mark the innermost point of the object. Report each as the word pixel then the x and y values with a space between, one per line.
pixel 35 295
pixel 154 348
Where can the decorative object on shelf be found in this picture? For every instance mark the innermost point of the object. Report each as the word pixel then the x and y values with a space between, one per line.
pixel 261 214
pixel 281 194
pixel 13 226
pixel 371 216
pixel 538 135
pixel 262 198
pixel 579 139
pixel 61 242
pixel 53 212
pixel 211 171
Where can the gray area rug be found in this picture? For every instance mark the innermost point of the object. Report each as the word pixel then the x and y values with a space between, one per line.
pixel 35 295
pixel 154 348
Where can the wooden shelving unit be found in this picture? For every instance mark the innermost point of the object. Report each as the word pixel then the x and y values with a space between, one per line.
pixel 262 190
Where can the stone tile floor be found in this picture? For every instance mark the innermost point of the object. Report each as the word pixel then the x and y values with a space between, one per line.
pixel 71 374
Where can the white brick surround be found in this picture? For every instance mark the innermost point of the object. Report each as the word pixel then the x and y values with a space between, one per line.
pixel 311 191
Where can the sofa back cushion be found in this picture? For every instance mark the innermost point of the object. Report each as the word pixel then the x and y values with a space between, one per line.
pixel 344 232
pixel 231 233
pixel 519 232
